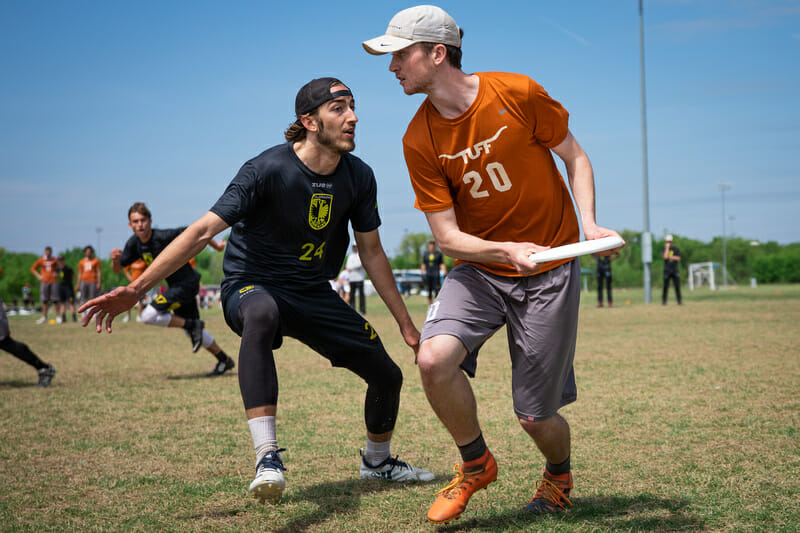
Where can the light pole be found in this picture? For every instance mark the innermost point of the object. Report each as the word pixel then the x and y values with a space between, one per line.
pixel 99 231
pixel 647 237
pixel 722 188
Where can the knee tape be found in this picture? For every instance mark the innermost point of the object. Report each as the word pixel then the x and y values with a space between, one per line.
pixel 152 317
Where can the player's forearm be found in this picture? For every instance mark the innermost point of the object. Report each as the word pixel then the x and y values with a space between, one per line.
pixel 581 178
pixel 456 243
pixel 185 246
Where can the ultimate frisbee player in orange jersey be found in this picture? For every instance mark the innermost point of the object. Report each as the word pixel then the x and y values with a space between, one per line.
pixel 45 271
pixel 479 154
pixel 90 277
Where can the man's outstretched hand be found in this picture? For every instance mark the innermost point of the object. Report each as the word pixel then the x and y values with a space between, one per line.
pixel 107 306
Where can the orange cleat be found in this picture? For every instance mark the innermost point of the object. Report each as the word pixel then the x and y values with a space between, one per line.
pixel 551 494
pixel 453 498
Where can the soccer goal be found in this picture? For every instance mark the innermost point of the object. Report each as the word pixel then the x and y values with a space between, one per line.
pixel 701 274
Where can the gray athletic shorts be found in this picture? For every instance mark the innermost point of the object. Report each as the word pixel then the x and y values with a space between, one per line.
pixel 48 292
pixel 88 291
pixel 541 315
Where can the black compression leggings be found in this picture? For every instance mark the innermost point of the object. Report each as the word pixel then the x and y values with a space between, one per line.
pixel 258 378
pixel 21 351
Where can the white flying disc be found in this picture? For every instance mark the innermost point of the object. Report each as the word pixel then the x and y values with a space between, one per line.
pixel 576 249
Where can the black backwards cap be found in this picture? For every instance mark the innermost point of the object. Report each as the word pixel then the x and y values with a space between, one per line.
pixel 315 93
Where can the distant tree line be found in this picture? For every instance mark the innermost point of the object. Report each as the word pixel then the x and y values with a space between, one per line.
pixel 767 262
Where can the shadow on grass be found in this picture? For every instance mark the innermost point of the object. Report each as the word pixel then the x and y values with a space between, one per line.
pixel 200 376
pixel 641 513
pixel 337 498
pixel 16 384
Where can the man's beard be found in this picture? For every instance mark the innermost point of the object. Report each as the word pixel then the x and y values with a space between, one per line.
pixel 341 146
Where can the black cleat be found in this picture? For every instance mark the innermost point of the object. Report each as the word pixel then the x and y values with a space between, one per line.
pixel 46 376
pixel 221 368
pixel 196 334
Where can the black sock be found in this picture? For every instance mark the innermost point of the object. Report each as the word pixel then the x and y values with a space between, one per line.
pixel 559 469
pixel 473 450
pixel 221 356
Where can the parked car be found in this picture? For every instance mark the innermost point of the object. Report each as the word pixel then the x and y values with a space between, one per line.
pixel 409 281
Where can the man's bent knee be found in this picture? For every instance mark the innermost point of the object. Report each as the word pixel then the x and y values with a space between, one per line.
pixel 440 357
pixel 151 316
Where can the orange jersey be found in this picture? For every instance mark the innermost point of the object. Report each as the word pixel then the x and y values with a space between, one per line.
pixel 493 166
pixel 136 268
pixel 89 270
pixel 47 268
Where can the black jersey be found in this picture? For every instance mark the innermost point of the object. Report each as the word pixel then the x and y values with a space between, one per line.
pixel 670 265
pixel 433 263
pixel 148 251
pixel 65 275
pixel 289 224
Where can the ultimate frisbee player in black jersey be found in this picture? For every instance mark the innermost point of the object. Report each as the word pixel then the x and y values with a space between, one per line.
pixel 177 306
pixel 289 209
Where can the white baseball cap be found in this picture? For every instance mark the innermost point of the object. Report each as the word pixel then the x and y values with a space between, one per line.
pixel 420 24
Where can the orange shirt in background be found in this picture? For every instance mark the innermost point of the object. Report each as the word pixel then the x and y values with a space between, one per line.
pixel 136 269
pixel 88 270
pixel 47 266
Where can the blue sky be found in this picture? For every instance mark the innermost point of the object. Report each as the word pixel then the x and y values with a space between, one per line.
pixel 107 103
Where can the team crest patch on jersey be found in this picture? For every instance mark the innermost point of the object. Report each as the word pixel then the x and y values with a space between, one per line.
pixel 319 212
pixel 147 257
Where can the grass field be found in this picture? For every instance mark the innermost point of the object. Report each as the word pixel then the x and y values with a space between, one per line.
pixel 687 419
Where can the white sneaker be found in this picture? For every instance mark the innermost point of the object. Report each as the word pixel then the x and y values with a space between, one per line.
pixel 58 320
pixel 42 320
pixel 126 319
pixel 269 482
pixel 392 469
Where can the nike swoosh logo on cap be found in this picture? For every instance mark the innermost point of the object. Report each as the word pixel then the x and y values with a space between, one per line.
pixel 504 110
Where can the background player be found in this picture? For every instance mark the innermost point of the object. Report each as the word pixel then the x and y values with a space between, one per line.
pixel 289 209
pixel 177 306
pixel 44 268
pixel 90 278
pixel 672 270
pixel 433 270
pixel 66 293
pixel 604 277
pixel 22 352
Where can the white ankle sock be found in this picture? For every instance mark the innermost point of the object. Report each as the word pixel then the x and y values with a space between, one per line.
pixel 262 429
pixel 376 452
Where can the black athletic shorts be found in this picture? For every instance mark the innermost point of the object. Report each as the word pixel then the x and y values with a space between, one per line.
pixel 317 317
pixel 179 299
pixel 66 293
